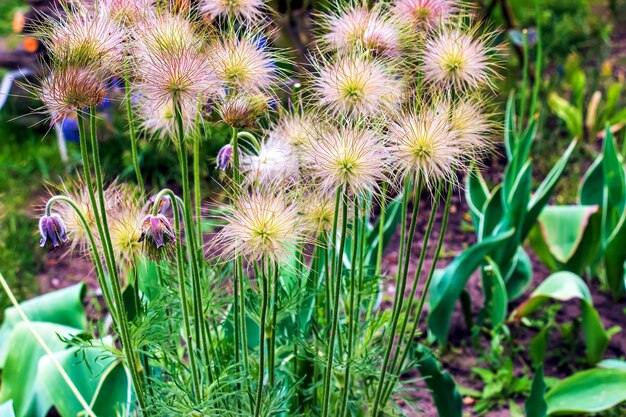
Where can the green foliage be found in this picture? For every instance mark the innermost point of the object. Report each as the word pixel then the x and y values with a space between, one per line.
pixel 447 399
pixel 565 286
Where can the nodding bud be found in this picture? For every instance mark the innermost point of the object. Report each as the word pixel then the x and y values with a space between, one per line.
pixel 157 235
pixel 52 232
pixel 225 157
pixel 243 110
pixel 164 204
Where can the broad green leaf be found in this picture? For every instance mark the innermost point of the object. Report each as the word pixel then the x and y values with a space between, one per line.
pixel 453 281
pixel 536 405
pixel 520 276
pixel 492 215
pixel 496 297
pixel 588 391
pixel 441 384
pixel 567 237
pixel 590 188
pixel 568 113
pixel 476 195
pixel 614 182
pixel 564 286
pixel 64 307
pixel 541 197
pixel 20 372
pixel 612 364
pixel 614 258
pixel 6 409
pixel 98 375
pixel 509 126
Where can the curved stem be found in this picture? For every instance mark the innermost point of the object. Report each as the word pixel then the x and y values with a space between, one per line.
pixel 132 135
pixel 338 258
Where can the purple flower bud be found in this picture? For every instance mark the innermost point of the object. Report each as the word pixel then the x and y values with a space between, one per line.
pixel 157 235
pixel 225 157
pixel 52 232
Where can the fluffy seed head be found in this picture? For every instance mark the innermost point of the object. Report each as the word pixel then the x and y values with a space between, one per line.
pixel 260 224
pixel 357 85
pixel 84 37
pixel 69 90
pixel 167 76
pixel 318 212
pixel 243 10
pixel 126 12
pixel 345 156
pixel 242 110
pixel 124 225
pixel 471 125
pixel 243 63
pixel 276 162
pixel 159 118
pixel 360 27
pixel 165 32
pixel 454 58
pixel 294 129
pixel 422 14
pixel 423 143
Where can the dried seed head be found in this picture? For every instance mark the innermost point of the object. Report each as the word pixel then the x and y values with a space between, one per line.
pixel 165 33
pixel 345 156
pixel 357 85
pixel 318 212
pixel 52 230
pixel 124 225
pixel 157 236
pixel 425 14
pixel 84 37
pixel 243 10
pixel 294 129
pixel 424 143
pixel 260 225
pixel 244 63
pixel 159 119
pixel 359 27
pixel 459 59
pixel 275 162
pixel 243 110
pixel 126 12
pixel 472 126
pixel 69 90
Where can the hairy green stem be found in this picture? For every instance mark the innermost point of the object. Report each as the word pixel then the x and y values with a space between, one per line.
pixel 132 134
pixel 264 297
pixel 381 227
pixel 338 259
pixel 272 330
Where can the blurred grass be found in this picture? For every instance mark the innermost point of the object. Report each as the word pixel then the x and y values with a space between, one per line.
pixel 27 162
pixel 7 10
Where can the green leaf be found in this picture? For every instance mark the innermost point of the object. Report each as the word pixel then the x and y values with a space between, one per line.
pixel 590 391
pixel 614 258
pixel 498 299
pixel 568 113
pixel 20 372
pixel 509 126
pixel 590 188
pixel 520 276
pixel 614 182
pixel 476 194
pixel 567 237
pixel 612 364
pixel 453 281
pixel 541 197
pixel 64 307
pixel 564 286
pixel 441 384
pixel 515 410
pixel 493 212
pixel 6 409
pixel 98 375
pixel 536 405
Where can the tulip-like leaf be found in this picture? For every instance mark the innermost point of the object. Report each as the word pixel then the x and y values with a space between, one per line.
pixel 476 194
pixel 6 409
pixel 496 297
pixel 567 112
pixel 590 391
pixel 64 307
pixel 540 198
pixel 520 275
pixel 450 284
pixel 536 405
pixel 20 372
pixel 564 286
pixel 97 374
pixel 567 238
pixel 441 384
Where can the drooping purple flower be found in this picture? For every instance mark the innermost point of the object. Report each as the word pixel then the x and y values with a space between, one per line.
pixel 225 157
pixel 52 230
pixel 157 235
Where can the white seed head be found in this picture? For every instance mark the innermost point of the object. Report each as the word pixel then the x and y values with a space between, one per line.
pixel 423 143
pixel 454 58
pixel 425 14
pixel 243 10
pixel 276 162
pixel 345 156
pixel 294 129
pixel 357 85
pixel 243 63
pixel 159 118
pixel 360 27
pixel 260 224
pixel 165 33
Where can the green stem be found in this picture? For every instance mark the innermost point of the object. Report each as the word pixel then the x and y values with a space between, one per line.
pixel 381 227
pixel 103 232
pixel 197 192
pixel 133 135
pixel 180 262
pixel 422 300
pixel 397 308
pixel 524 80
pixel 352 316
pixel 264 297
pixel 272 339
pixel 338 259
